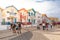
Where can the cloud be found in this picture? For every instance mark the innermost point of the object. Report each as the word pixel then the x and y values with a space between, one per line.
pixel 54 10
pixel 51 8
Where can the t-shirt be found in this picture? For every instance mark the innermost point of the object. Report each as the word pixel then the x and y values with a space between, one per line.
pixel 43 24
pixel 16 26
pixel 19 25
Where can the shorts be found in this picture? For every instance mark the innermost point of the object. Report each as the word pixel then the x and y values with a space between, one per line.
pixel 16 28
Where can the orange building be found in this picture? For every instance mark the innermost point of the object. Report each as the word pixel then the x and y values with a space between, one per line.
pixel 23 14
pixel 54 19
pixel 45 18
pixel 44 15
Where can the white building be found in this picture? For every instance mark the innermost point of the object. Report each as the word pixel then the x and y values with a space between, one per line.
pixel 38 18
pixel 10 14
pixel 32 16
pixel 1 14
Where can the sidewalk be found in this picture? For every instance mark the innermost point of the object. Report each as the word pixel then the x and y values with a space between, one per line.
pixel 31 34
pixel 3 27
pixel 27 34
pixel 55 35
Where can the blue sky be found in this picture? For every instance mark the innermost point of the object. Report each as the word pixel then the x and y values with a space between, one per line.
pixel 53 7
pixel 49 7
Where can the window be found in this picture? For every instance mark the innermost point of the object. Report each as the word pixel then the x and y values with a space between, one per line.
pixel 34 14
pixel 3 22
pixel 34 21
pixel 28 20
pixel 14 13
pixel 15 20
pixel 29 13
pixel 8 12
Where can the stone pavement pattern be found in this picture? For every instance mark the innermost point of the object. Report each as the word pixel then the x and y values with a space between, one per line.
pixel 54 35
pixel 31 35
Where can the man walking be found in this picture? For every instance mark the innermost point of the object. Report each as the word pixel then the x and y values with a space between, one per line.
pixel 13 27
pixel 44 26
pixel 19 25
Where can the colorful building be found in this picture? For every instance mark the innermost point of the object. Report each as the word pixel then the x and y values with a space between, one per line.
pixel 38 18
pixel 1 14
pixel 23 15
pixel 32 16
pixel 54 19
pixel 45 18
pixel 10 14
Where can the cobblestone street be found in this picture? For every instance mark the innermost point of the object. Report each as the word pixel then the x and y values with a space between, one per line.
pixel 31 34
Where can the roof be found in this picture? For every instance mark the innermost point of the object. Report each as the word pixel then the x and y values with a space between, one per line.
pixel 12 6
pixel 44 15
pixel 23 9
pixel 32 10
pixel 53 18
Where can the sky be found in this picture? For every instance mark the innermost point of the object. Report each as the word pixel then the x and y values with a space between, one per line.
pixel 49 7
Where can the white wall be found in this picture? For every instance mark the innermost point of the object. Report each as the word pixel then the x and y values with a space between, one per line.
pixel 38 19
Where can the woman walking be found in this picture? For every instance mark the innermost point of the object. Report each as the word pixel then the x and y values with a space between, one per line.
pixel 44 26
pixel 13 27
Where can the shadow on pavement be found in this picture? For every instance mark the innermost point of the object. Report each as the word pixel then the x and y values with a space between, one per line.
pixel 24 36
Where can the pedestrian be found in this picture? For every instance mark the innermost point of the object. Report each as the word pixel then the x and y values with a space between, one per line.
pixel 51 26
pixel 17 31
pixel 19 25
pixel 13 27
pixel 44 26
pixel 47 26
pixel 40 26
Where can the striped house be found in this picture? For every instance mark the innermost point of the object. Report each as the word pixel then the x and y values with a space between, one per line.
pixel 32 16
pixel 23 15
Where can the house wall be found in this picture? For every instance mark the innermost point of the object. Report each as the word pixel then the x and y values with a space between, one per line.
pixel 6 13
pixel 32 16
pixel 38 18
pixel 23 15
pixel 1 14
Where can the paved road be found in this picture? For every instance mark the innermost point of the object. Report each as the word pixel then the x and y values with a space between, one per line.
pixel 31 34
pixel 26 35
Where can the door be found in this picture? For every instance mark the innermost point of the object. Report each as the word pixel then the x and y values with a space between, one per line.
pixel 15 20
